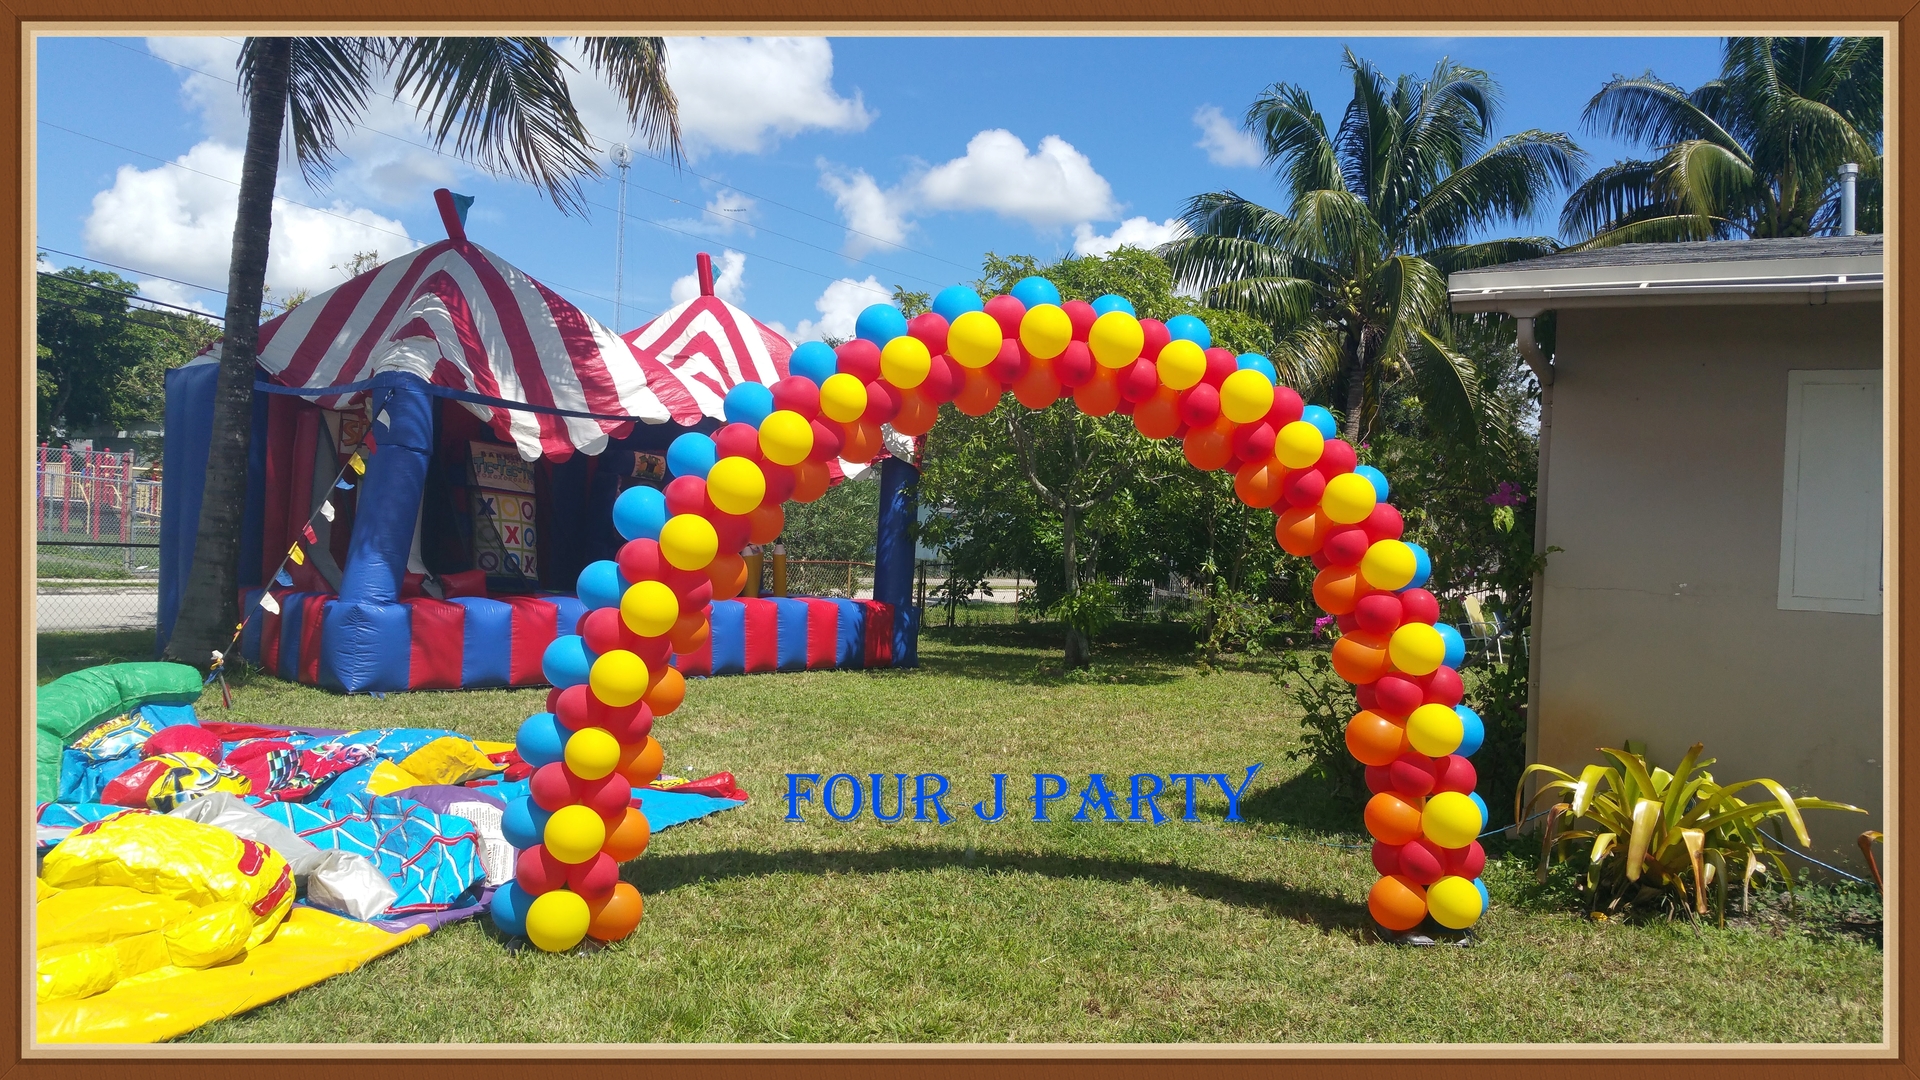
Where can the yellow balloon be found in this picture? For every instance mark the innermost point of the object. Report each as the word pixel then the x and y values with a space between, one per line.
pixel 1416 649
pixel 1116 339
pixel 1454 903
pixel 1182 364
pixel 1388 564
pixel 1450 820
pixel 689 542
pixel 973 340
pixel 786 437
pixel 1299 445
pixel 843 397
pixel 904 362
pixel 1348 500
pixel 557 920
pixel 593 752
pixel 575 834
pixel 1246 396
pixel 618 677
pixel 736 485
pixel 649 608
pixel 1435 730
pixel 1045 330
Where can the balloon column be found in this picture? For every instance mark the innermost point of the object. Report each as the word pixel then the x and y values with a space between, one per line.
pixel 612 678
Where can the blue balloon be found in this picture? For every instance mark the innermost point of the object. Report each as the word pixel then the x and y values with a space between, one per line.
pixel 692 454
pixel 1112 302
pixel 955 301
pixel 880 323
pixel 1456 645
pixel 1190 328
pixel 1319 417
pixel 566 661
pixel 1375 477
pixel 600 585
pixel 1422 567
pixel 747 403
pixel 640 512
pixel 1034 291
pixel 1485 900
pixel 541 740
pixel 813 360
pixel 524 823
pixel 509 909
pixel 1485 814
pixel 1256 362
pixel 1473 731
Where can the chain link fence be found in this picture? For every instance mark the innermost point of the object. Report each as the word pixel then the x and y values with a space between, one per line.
pixel 97 550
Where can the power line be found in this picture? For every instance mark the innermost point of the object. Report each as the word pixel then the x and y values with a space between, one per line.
pixel 131 270
pixel 124 295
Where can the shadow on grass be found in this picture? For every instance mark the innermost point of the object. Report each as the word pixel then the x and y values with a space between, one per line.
pixel 63 652
pixel 1305 801
pixel 659 873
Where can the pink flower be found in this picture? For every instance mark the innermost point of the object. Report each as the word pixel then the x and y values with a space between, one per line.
pixel 1507 494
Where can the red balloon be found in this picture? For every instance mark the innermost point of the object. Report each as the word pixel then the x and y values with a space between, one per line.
pixel 1467 862
pixel 1396 694
pixel 1379 780
pixel 734 531
pixel 743 440
pixel 1074 367
pixel 551 787
pixel 602 629
pixel 1384 523
pixel 859 358
pixel 1455 773
pixel 610 794
pixel 1422 862
pixel 1287 407
pixel 653 650
pixel 883 402
pixel 1220 364
pixel 1419 606
pixel 1200 405
pixel 796 393
pixel 1082 315
pixel 1412 774
pixel 537 871
pixel 569 706
pixel 1139 381
pixel 1336 457
pixel 1319 559
pixel 685 582
pixel 780 482
pixel 931 329
pixel 1366 695
pixel 826 442
pixel 1444 687
pixel 1253 442
pixel 1378 613
pixel 1156 338
pixel 1386 857
pixel 614 718
pixel 1011 363
pixel 687 495
pixel 1346 545
pixel 640 560
pixel 595 878
pixel 944 378
pixel 632 725
pixel 1008 312
pixel 1303 487
pixel 1346 623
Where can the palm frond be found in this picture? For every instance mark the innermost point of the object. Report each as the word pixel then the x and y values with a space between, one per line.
pixel 1651 112
pixel 636 68
pixel 1457 257
pixel 1294 136
pixel 328 80
pixel 1510 181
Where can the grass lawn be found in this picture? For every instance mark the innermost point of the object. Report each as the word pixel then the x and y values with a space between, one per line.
pixel 760 929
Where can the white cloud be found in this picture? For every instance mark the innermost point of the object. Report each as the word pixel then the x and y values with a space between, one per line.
pixel 1135 232
pixel 179 222
pixel 223 114
pixel 728 212
pixel 730 284
pixel 877 218
pixel 1052 186
pixel 839 307
pixel 1225 143
pixel 738 95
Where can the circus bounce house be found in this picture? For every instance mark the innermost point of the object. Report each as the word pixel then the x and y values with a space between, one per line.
pixel 458 479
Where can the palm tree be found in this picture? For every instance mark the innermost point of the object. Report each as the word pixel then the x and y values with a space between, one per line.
pixel 1352 275
pixel 1755 153
pixel 503 103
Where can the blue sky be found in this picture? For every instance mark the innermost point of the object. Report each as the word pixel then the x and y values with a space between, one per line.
pixel 832 169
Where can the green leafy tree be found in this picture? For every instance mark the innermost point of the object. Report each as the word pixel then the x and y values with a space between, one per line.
pixel 99 359
pixel 1754 153
pixel 501 102
pixel 1352 274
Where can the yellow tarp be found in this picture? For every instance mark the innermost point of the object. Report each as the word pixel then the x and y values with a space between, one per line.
pixel 309 946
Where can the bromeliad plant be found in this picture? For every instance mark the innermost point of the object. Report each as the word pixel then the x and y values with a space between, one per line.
pixel 1654 831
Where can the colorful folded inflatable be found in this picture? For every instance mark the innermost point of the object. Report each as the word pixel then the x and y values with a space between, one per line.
pixel 67 707
pixel 432 859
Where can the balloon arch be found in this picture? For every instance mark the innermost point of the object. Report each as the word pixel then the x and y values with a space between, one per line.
pixel 683 551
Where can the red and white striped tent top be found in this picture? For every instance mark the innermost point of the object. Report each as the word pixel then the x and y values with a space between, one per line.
pixel 702 348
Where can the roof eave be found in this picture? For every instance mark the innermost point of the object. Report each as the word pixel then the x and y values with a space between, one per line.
pixel 1529 301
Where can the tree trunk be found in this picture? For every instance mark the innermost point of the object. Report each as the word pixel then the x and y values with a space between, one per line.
pixel 1356 388
pixel 209 605
pixel 1079 650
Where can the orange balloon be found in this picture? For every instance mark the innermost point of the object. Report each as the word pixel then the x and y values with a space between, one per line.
pixel 615 916
pixel 629 838
pixel 728 572
pixel 1209 448
pixel 689 632
pixel 810 481
pixel 1338 589
pixel 1393 818
pixel 1374 739
pixel 765 524
pixel 644 766
pixel 979 393
pixel 1360 657
pixel 1039 387
pixel 1301 531
pixel 1100 395
pixel 917 415
pixel 1158 416
pixel 667 690
pixel 1258 482
pixel 1397 903
pixel 860 442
